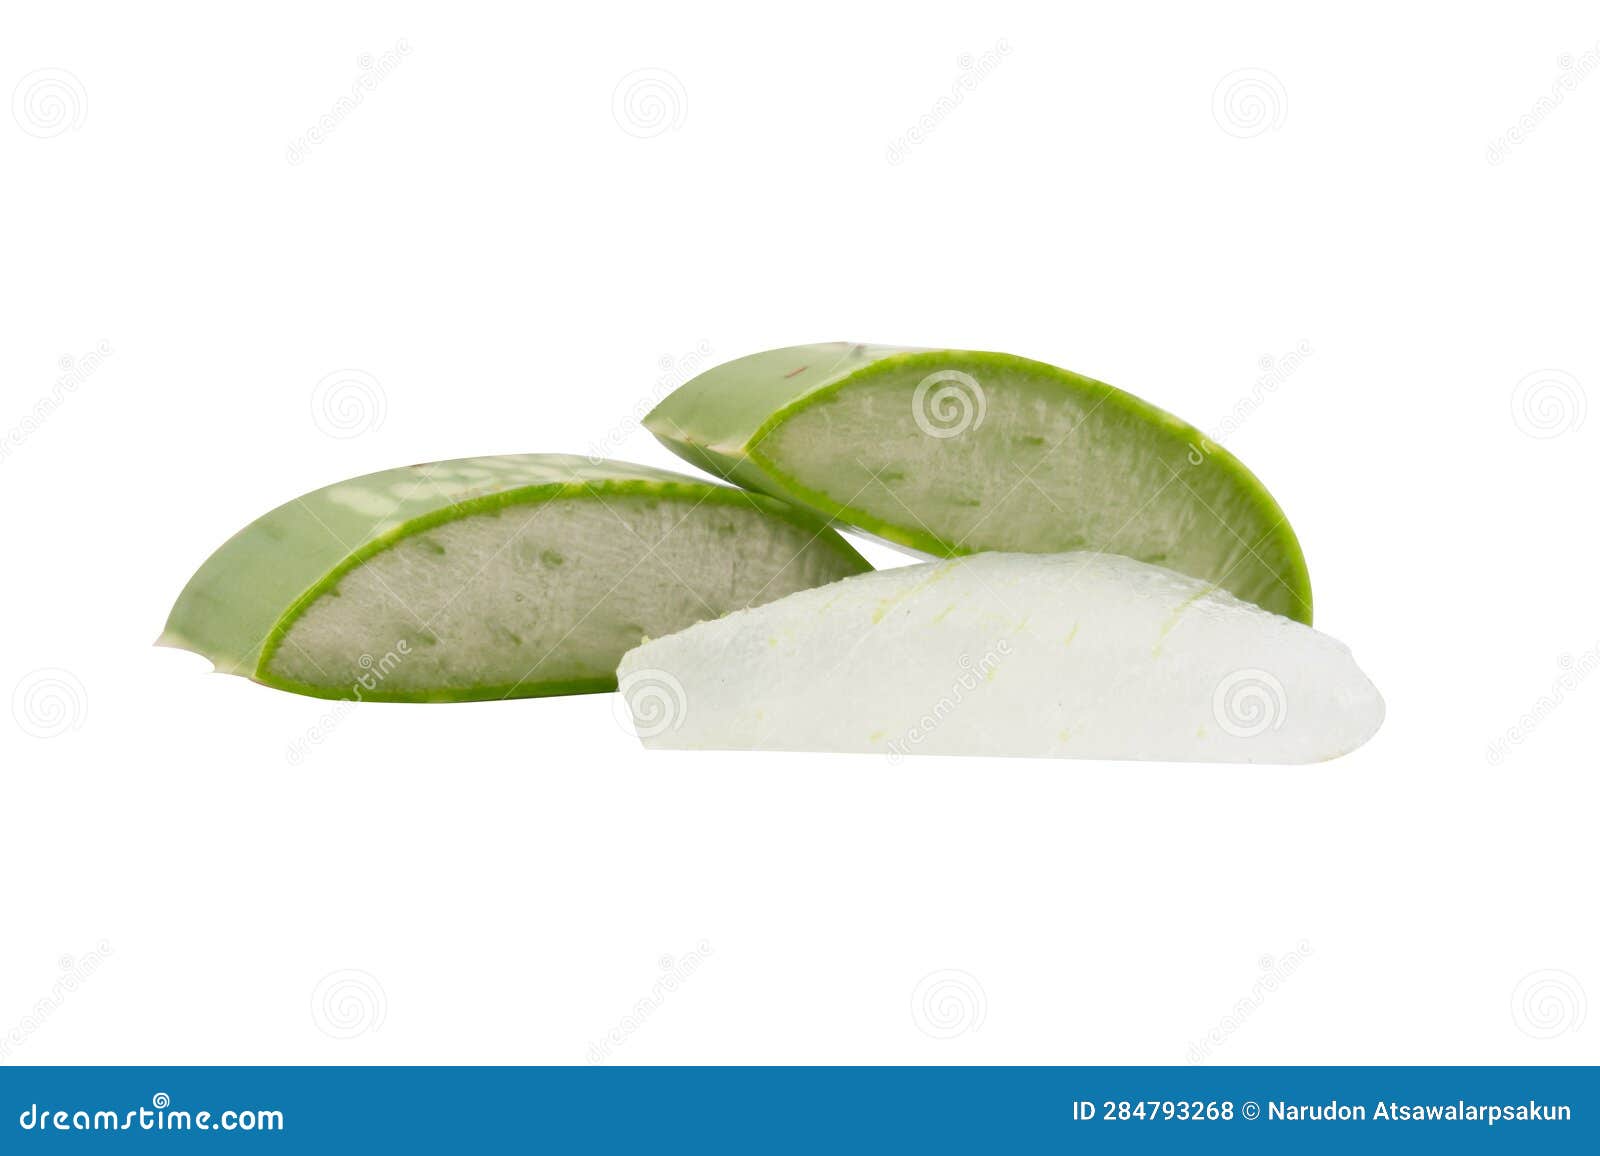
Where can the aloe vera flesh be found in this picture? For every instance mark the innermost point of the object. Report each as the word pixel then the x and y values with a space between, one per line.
pixel 490 577
pixel 1082 655
pixel 952 452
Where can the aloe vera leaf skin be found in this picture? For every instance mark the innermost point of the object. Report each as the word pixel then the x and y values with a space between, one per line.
pixel 951 452
pixel 489 577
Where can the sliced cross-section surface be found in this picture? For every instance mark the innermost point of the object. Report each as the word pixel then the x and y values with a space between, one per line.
pixel 490 577
pixel 1077 655
pixel 952 452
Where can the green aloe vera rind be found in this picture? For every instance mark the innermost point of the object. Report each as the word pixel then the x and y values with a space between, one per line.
pixel 951 452
pixel 496 542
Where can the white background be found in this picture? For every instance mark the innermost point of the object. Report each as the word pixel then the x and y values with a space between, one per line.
pixel 517 257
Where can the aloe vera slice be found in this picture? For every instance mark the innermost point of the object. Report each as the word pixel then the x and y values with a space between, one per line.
pixel 1079 655
pixel 489 577
pixel 950 452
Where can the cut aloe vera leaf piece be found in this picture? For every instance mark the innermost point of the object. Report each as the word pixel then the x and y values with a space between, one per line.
pixel 1079 655
pixel 490 577
pixel 949 452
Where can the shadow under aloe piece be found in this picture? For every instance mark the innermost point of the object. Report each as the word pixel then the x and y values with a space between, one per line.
pixel 490 577
pixel 951 452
